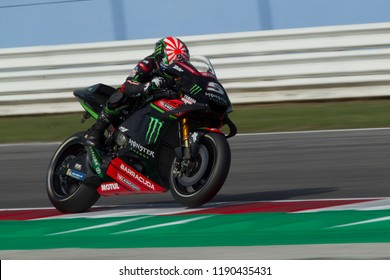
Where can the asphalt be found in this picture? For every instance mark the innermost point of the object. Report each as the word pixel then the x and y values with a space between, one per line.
pixel 275 166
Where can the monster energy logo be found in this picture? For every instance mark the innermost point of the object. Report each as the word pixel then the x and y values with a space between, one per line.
pixel 153 132
pixel 158 49
pixel 195 89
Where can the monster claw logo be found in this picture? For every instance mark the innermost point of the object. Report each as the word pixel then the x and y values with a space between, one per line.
pixel 195 89
pixel 159 48
pixel 154 129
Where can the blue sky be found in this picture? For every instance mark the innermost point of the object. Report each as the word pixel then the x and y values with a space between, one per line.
pixel 52 22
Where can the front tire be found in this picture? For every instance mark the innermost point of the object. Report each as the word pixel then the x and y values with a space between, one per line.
pixel 66 194
pixel 211 169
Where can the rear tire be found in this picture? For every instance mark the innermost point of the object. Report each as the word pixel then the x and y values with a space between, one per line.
pixel 212 168
pixel 66 194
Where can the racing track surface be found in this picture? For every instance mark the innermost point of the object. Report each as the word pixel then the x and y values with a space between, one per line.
pixel 275 166
pixel 329 164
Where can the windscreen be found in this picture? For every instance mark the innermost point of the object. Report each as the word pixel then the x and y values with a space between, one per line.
pixel 203 65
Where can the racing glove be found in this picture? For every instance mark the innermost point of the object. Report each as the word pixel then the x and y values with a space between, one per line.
pixel 154 84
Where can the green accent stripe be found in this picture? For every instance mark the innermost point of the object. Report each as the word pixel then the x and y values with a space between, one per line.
pixel 162 111
pixel 111 112
pixel 96 160
pixel 158 109
pixel 89 110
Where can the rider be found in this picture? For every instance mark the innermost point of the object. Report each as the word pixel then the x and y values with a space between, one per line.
pixel 148 75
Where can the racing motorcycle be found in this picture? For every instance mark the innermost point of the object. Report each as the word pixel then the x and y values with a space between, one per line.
pixel 168 141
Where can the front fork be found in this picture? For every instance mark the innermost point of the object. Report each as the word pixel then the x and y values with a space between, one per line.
pixel 184 164
pixel 185 131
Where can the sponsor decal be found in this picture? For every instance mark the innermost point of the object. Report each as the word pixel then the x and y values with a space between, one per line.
pixel 138 177
pixel 158 49
pixel 216 98
pixel 123 129
pixel 188 99
pixel 76 174
pixel 176 67
pixel 194 137
pixel 109 187
pixel 195 89
pixel 165 106
pixel 125 175
pixel 78 166
pixel 95 161
pixel 214 87
pixel 127 182
pixel 154 130
pixel 138 147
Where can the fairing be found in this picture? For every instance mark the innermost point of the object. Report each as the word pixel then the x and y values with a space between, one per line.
pixel 94 97
pixel 147 140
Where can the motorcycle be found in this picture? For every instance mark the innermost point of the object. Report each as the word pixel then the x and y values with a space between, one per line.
pixel 168 141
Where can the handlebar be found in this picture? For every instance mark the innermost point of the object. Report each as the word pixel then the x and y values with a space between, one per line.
pixel 161 93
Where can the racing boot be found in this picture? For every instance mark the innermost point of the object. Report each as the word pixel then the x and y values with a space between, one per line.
pixel 95 137
pixel 95 144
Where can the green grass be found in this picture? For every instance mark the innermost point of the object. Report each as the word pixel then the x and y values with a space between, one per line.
pixel 40 128
pixel 312 116
pixel 252 118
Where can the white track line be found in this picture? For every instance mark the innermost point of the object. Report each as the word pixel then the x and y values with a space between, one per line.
pixel 364 222
pixel 164 225
pixel 100 226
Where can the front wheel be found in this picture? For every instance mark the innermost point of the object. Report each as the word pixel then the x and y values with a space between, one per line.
pixel 67 194
pixel 208 173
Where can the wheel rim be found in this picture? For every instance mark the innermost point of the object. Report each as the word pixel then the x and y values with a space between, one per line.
pixel 64 186
pixel 192 182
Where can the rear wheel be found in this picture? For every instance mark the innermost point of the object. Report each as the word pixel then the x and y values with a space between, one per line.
pixel 207 174
pixel 67 194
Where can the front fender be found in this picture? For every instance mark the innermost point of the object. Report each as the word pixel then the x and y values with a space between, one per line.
pixel 211 129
